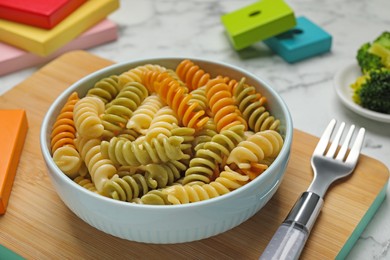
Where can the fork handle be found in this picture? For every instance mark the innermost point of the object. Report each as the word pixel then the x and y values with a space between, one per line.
pixel 291 236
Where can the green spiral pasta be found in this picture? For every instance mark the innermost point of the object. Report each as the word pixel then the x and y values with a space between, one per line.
pixel 187 133
pixel 227 181
pixel 141 180
pixel 208 159
pixel 120 110
pixel 158 150
pixel 204 135
pixel 162 174
pixel 199 96
pixel 106 89
pixel 125 188
pixel 250 103
pixel 154 197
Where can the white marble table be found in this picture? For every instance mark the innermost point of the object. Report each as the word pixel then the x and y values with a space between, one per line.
pixel 193 29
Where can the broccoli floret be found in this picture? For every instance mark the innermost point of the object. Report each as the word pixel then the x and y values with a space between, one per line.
pixel 372 90
pixel 366 60
pixel 384 40
pixel 375 55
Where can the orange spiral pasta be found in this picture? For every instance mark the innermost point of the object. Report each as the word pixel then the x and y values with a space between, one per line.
pixel 64 130
pixel 176 97
pixel 193 76
pixel 222 105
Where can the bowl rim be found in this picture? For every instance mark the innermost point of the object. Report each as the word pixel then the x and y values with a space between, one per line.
pixel 284 153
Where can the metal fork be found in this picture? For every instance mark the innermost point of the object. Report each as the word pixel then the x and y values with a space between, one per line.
pixel 329 165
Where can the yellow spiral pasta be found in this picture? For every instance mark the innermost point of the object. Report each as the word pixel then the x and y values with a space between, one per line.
pixel 143 116
pixel 68 159
pixel 85 183
pixel 100 168
pixel 136 74
pixel 256 149
pixel 87 120
pixel 162 123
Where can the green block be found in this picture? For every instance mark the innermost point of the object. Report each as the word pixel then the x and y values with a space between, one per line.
pixel 258 21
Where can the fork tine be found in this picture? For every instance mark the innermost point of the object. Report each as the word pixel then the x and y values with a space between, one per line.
pixel 356 148
pixel 344 147
pixel 335 143
pixel 324 140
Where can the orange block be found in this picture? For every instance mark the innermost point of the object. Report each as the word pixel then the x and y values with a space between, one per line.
pixel 13 130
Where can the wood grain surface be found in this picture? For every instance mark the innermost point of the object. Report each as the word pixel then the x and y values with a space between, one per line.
pixel 37 225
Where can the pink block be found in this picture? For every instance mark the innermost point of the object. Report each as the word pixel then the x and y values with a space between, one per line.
pixel 13 59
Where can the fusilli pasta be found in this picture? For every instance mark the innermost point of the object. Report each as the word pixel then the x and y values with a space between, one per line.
pixel 106 89
pixel 250 103
pixel 87 119
pixel 144 114
pixel 222 106
pixel 100 168
pixel 175 96
pixel 193 76
pixel 163 136
pixel 136 74
pixel 158 150
pixel 208 160
pixel 259 149
pixel 120 110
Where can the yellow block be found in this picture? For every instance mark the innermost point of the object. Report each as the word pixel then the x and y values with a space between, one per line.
pixel 43 42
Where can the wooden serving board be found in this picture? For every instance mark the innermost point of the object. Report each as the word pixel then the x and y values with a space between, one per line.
pixel 38 225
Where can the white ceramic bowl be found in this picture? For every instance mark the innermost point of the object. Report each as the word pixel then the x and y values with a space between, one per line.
pixel 171 223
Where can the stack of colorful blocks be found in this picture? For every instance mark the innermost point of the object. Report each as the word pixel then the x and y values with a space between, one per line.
pixel 274 23
pixel 36 31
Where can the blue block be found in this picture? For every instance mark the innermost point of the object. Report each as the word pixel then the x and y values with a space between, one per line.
pixel 305 40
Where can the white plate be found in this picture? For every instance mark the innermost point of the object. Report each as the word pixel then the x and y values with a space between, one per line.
pixel 342 81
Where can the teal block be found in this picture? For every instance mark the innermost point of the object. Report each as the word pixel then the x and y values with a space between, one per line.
pixel 258 21
pixel 5 253
pixel 303 41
